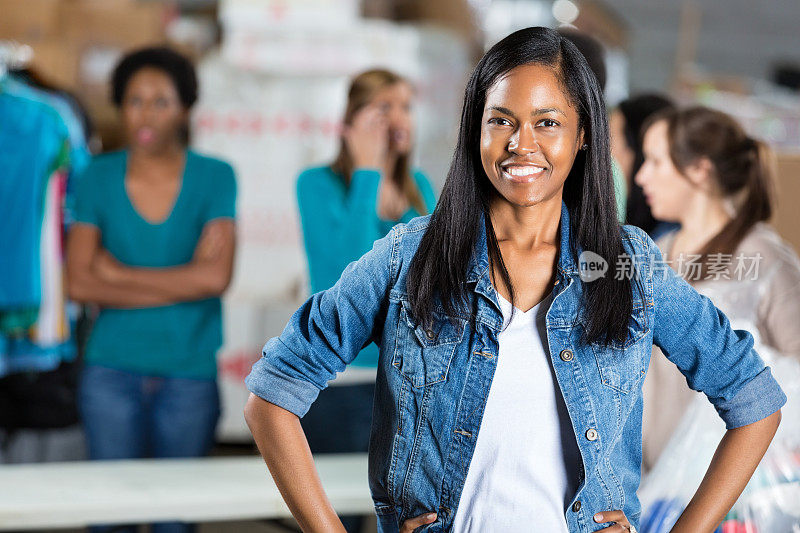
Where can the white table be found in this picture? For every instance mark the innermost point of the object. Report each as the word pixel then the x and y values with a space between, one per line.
pixel 77 494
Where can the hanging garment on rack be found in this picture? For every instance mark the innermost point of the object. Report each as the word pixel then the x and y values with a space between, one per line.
pixel 43 146
pixel 34 155
pixel 52 325
pixel 48 342
pixel 32 146
pixel 79 155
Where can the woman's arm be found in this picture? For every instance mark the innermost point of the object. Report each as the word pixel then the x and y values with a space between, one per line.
pixel 207 275
pixel 734 462
pixel 283 445
pixel 720 362
pixel 340 226
pixel 337 227
pixel 321 338
pixel 94 276
pixel 85 285
pixel 737 456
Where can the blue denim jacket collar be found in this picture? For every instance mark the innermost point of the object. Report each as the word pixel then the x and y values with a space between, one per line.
pixel 478 270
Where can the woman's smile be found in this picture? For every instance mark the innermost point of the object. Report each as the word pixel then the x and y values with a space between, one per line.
pixel 522 173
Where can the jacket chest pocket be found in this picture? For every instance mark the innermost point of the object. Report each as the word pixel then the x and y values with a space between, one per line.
pixel 622 365
pixel 423 353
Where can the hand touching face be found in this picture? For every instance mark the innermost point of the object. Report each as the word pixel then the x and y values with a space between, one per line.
pixel 382 128
pixel 394 102
pixel 366 137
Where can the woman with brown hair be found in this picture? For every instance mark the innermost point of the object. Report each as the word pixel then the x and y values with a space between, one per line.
pixel 702 170
pixel 344 208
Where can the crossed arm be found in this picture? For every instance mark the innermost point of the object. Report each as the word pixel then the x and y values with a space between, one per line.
pixel 95 276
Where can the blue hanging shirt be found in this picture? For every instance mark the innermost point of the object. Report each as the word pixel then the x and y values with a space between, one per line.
pixel 32 145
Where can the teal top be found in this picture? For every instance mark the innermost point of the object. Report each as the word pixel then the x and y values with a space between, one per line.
pixel 340 224
pixel 620 190
pixel 179 340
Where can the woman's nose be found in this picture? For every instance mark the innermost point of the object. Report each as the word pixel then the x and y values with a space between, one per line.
pixel 641 176
pixel 523 141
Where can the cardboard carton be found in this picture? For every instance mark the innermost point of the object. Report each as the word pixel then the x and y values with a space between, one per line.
pixel 28 21
pixel 787 216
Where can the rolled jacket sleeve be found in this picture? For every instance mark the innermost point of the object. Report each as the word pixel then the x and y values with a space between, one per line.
pixel 715 358
pixel 327 332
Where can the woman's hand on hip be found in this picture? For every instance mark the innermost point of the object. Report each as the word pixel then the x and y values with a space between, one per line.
pixel 413 523
pixel 621 523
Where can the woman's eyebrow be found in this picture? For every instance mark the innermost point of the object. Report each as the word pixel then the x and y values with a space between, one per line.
pixel 545 110
pixel 503 110
pixel 539 111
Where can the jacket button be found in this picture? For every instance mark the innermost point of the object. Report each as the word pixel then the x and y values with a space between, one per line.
pixel 591 434
pixel 429 333
pixel 576 506
pixel 566 355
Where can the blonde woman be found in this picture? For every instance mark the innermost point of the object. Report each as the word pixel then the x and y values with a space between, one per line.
pixel 344 208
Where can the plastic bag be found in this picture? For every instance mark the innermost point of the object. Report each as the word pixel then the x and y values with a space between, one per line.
pixel 770 503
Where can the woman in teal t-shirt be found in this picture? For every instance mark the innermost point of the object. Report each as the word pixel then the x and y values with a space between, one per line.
pixel 344 208
pixel 153 247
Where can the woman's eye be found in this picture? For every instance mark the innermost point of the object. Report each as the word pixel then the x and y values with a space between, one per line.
pixel 499 121
pixel 548 123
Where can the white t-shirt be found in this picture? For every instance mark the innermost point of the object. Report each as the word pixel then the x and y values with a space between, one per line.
pixel 524 471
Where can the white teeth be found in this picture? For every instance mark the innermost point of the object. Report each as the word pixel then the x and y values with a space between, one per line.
pixel 521 172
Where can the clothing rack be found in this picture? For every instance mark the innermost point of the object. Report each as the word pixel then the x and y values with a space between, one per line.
pixel 14 55
pixel 43 148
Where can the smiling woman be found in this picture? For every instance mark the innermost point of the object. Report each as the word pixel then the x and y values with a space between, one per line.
pixel 508 394
pixel 529 140
pixel 538 147
pixel 532 108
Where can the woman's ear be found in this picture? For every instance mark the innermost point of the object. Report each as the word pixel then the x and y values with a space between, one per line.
pixel 581 142
pixel 701 173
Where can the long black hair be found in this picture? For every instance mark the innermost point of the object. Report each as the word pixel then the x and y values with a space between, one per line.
pixel 439 267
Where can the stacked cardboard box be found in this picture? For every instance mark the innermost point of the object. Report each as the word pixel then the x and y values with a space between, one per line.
pixel 76 43
pixel 30 21
pixel 73 39
pixel 787 217
pixel 272 15
pixel 307 37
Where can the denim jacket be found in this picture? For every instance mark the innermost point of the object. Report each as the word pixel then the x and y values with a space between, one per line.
pixel 433 382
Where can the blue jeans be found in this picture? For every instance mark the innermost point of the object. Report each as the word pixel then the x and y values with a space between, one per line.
pixel 131 416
